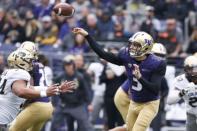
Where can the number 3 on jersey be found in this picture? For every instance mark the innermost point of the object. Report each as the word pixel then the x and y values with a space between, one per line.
pixel 136 85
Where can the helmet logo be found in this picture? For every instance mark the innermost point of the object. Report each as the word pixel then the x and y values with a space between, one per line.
pixel 148 41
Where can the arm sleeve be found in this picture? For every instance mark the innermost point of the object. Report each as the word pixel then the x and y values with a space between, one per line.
pixel 155 82
pixel 108 56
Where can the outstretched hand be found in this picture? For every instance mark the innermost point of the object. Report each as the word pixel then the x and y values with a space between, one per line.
pixel 67 86
pixel 80 31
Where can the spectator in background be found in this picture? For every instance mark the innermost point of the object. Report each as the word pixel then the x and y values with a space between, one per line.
pixel 192 47
pixel 79 5
pixel 119 34
pixel 32 26
pixel 117 4
pixel 95 69
pixel 106 25
pixel 63 33
pixel 96 7
pixel 176 9
pixel 120 17
pixel 84 13
pixel 13 30
pixel 7 4
pixel 113 76
pixel 23 6
pixel 135 26
pixel 91 25
pixel 150 24
pixel 44 9
pixel 2 64
pixel 47 35
pixel 72 104
pixel 159 6
pixel 2 23
pixel 171 38
pixel 80 45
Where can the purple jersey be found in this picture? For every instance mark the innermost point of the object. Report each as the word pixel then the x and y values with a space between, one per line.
pixel 37 74
pixel 132 86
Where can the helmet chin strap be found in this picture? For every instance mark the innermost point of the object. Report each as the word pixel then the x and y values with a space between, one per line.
pixel 140 58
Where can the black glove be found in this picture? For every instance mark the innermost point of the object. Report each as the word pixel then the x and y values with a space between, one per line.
pixel 182 93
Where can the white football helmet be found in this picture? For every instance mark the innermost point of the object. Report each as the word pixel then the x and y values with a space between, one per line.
pixel 31 47
pixel 195 54
pixel 21 59
pixel 190 68
pixel 140 44
pixel 158 48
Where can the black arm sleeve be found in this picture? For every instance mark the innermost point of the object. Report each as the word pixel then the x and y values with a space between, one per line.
pixel 155 82
pixel 108 56
pixel 103 77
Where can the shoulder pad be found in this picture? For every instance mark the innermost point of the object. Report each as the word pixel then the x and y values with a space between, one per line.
pixel 18 74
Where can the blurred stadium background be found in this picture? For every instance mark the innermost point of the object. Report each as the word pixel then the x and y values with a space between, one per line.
pixel 171 22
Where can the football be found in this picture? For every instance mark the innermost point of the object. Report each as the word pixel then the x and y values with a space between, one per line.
pixel 64 9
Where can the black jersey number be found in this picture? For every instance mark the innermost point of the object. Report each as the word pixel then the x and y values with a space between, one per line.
pixel 3 81
pixel 136 85
pixel 193 101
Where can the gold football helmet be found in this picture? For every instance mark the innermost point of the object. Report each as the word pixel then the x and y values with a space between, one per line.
pixel 140 44
pixel 69 59
pixel 190 68
pixel 21 59
pixel 31 47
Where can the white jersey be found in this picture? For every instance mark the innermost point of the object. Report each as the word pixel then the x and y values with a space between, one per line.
pixel 190 98
pixel 9 102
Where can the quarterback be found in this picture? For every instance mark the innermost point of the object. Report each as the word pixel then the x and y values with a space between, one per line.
pixel 185 87
pixel 15 86
pixel 145 72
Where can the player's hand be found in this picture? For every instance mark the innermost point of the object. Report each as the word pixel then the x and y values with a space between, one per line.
pixel 53 90
pixel 90 108
pixel 136 71
pixel 67 86
pixel 81 31
pixel 191 87
pixel 183 92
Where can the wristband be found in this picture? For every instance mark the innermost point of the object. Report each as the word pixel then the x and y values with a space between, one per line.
pixel 40 88
pixel 43 94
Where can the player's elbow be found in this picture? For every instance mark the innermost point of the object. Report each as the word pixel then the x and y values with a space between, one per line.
pixel 21 93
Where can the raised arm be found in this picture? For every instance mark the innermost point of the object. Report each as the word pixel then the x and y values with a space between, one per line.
pixel 108 56
pixel 20 88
